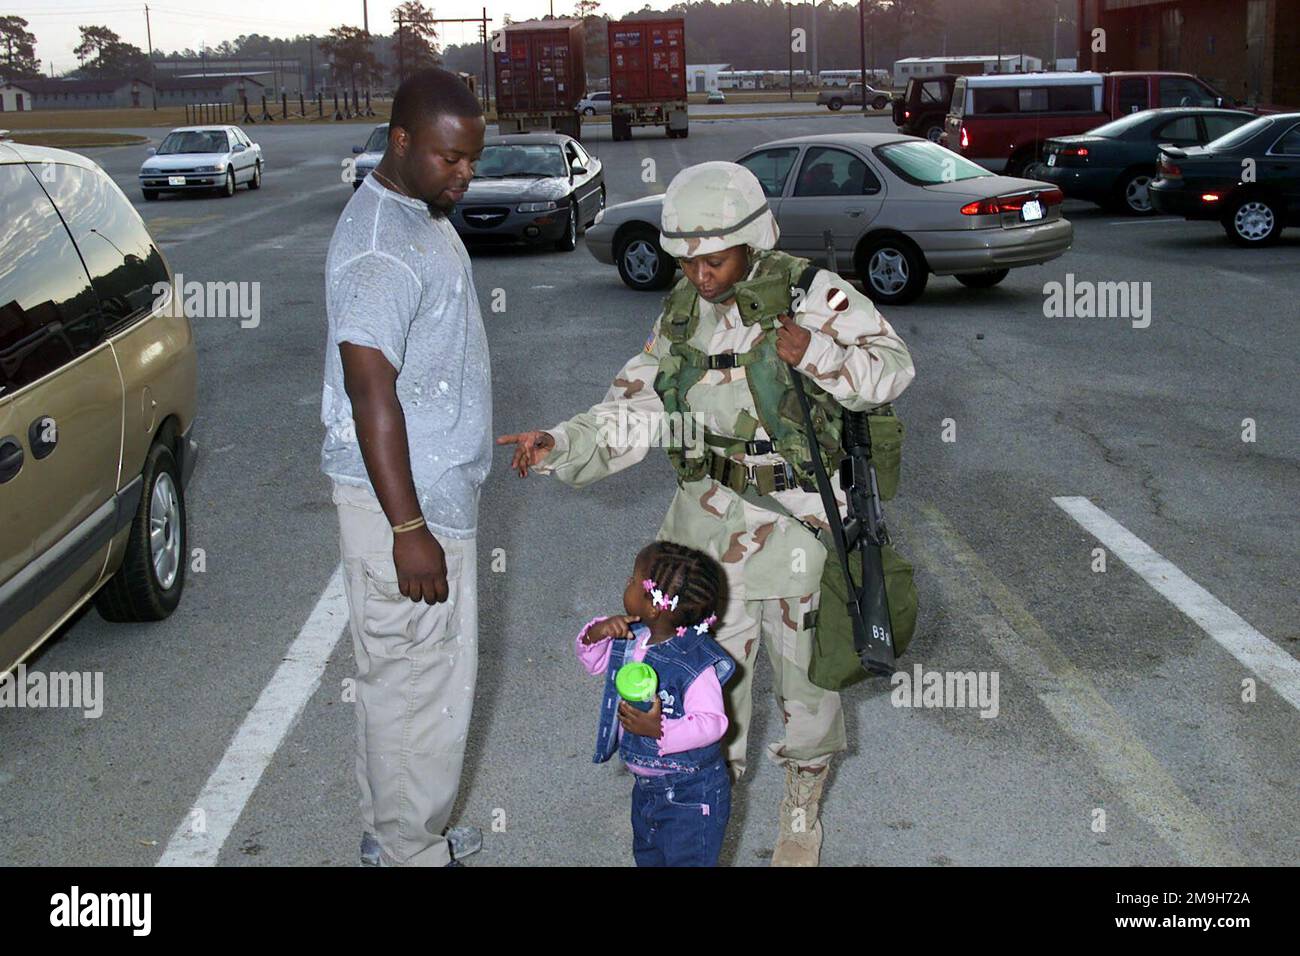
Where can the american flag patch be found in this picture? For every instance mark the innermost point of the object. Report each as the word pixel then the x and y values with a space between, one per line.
pixel 837 299
pixel 650 343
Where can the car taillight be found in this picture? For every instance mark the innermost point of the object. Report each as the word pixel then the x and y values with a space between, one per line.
pixel 907 114
pixel 1014 203
pixel 965 139
pixel 1210 197
pixel 1168 168
pixel 1074 151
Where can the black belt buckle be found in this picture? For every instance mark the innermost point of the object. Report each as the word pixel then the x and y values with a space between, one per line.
pixel 759 446
pixel 725 360
pixel 783 478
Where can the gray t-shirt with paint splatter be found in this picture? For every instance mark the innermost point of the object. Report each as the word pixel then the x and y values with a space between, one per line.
pixel 400 281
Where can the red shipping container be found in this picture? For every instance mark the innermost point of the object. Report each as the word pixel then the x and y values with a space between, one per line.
pixel 541 67
pixel 647 60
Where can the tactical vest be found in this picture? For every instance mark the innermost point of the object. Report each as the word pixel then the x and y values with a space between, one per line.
pixel 759 300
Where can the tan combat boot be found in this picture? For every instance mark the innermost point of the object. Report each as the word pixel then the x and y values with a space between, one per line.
pixel 800 841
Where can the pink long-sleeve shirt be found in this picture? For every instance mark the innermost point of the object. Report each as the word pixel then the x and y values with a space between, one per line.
pixel 703 720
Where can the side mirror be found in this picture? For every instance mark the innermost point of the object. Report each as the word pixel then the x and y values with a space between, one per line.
pixel 578 170
pixel 358 149
pixel 152 150
pixel 237 148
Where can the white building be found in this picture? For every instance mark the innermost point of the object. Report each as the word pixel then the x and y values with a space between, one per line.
pixel 911 66
pixel 702 77
pixel 15 98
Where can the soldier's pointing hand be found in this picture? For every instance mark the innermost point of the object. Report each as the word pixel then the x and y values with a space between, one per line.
pixel 530 448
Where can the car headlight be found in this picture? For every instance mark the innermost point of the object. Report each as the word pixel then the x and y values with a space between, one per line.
pixel 537 206
pixel 207 169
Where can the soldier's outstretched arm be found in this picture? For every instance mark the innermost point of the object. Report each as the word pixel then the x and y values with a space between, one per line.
pixel 616 432
pixel 854 353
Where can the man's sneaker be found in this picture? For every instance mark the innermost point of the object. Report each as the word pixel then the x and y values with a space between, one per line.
pixel 369 849
pixel 462 841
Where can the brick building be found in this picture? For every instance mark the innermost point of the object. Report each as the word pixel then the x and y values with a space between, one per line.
pixel 1246 48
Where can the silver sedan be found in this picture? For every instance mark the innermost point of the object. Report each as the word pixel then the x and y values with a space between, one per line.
pixel 892 209
pixel 202 158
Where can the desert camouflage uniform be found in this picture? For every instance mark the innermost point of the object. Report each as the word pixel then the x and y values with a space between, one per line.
pixel 773 563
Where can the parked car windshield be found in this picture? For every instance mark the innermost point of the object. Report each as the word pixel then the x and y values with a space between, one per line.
pixel 501 161
pixel 928 164
pixel 1241 134
pixel 378 141
pixel 194 141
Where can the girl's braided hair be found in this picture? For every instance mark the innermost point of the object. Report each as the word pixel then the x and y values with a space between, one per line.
pixel 695 578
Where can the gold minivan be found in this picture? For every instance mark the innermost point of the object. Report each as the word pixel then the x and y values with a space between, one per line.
pixel 97 403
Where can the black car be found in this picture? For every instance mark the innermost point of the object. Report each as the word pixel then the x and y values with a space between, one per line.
pixel 922 108
pixel 532 188
pixel 1113 165
pixel 1249 180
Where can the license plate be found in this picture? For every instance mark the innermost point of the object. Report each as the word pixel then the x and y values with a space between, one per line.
pixel 1031 210
pixel 175 180
pixel 1051 159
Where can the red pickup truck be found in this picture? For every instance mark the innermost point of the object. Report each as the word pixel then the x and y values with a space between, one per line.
pixel 1000 120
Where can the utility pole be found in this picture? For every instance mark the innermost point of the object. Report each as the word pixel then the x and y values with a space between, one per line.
pixel 862 49
pixel 365 16
pixel 153 73
pixel 486 101
pixel 789 20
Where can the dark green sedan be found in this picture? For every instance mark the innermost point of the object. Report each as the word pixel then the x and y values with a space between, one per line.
pixel 1114 164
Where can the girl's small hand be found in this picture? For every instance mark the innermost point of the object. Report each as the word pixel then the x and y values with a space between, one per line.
pixel 646 723
pixel 616 627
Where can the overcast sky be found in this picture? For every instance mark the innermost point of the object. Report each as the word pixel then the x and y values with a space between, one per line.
pixel 181 24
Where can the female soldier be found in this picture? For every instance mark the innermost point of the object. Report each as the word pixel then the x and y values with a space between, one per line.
pixel 739 499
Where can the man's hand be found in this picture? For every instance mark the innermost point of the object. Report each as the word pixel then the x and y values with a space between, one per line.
pixel 615 627
pixel 791 341
pixel 646 723
pixel 530 448
pixel 421 566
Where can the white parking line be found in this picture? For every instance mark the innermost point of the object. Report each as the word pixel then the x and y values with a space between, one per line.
pixel 199 837
pixel 1274 666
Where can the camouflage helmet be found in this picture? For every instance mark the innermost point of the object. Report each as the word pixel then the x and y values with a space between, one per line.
pixel 714 206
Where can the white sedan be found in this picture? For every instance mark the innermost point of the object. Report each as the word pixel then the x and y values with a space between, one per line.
pixel 202 158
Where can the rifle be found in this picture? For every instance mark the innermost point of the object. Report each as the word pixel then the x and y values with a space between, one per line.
pixel 864 531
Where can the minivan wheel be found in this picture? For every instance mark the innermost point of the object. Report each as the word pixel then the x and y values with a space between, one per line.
pixel 148 585
pixel 893 271
pixel 1252 221
pixel 642 265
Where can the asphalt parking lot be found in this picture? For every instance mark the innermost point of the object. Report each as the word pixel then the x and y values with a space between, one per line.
pixel 1112 698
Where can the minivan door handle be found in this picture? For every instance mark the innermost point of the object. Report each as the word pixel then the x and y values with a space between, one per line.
pixel 11 458
pixel 42 436
pixel 854 212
